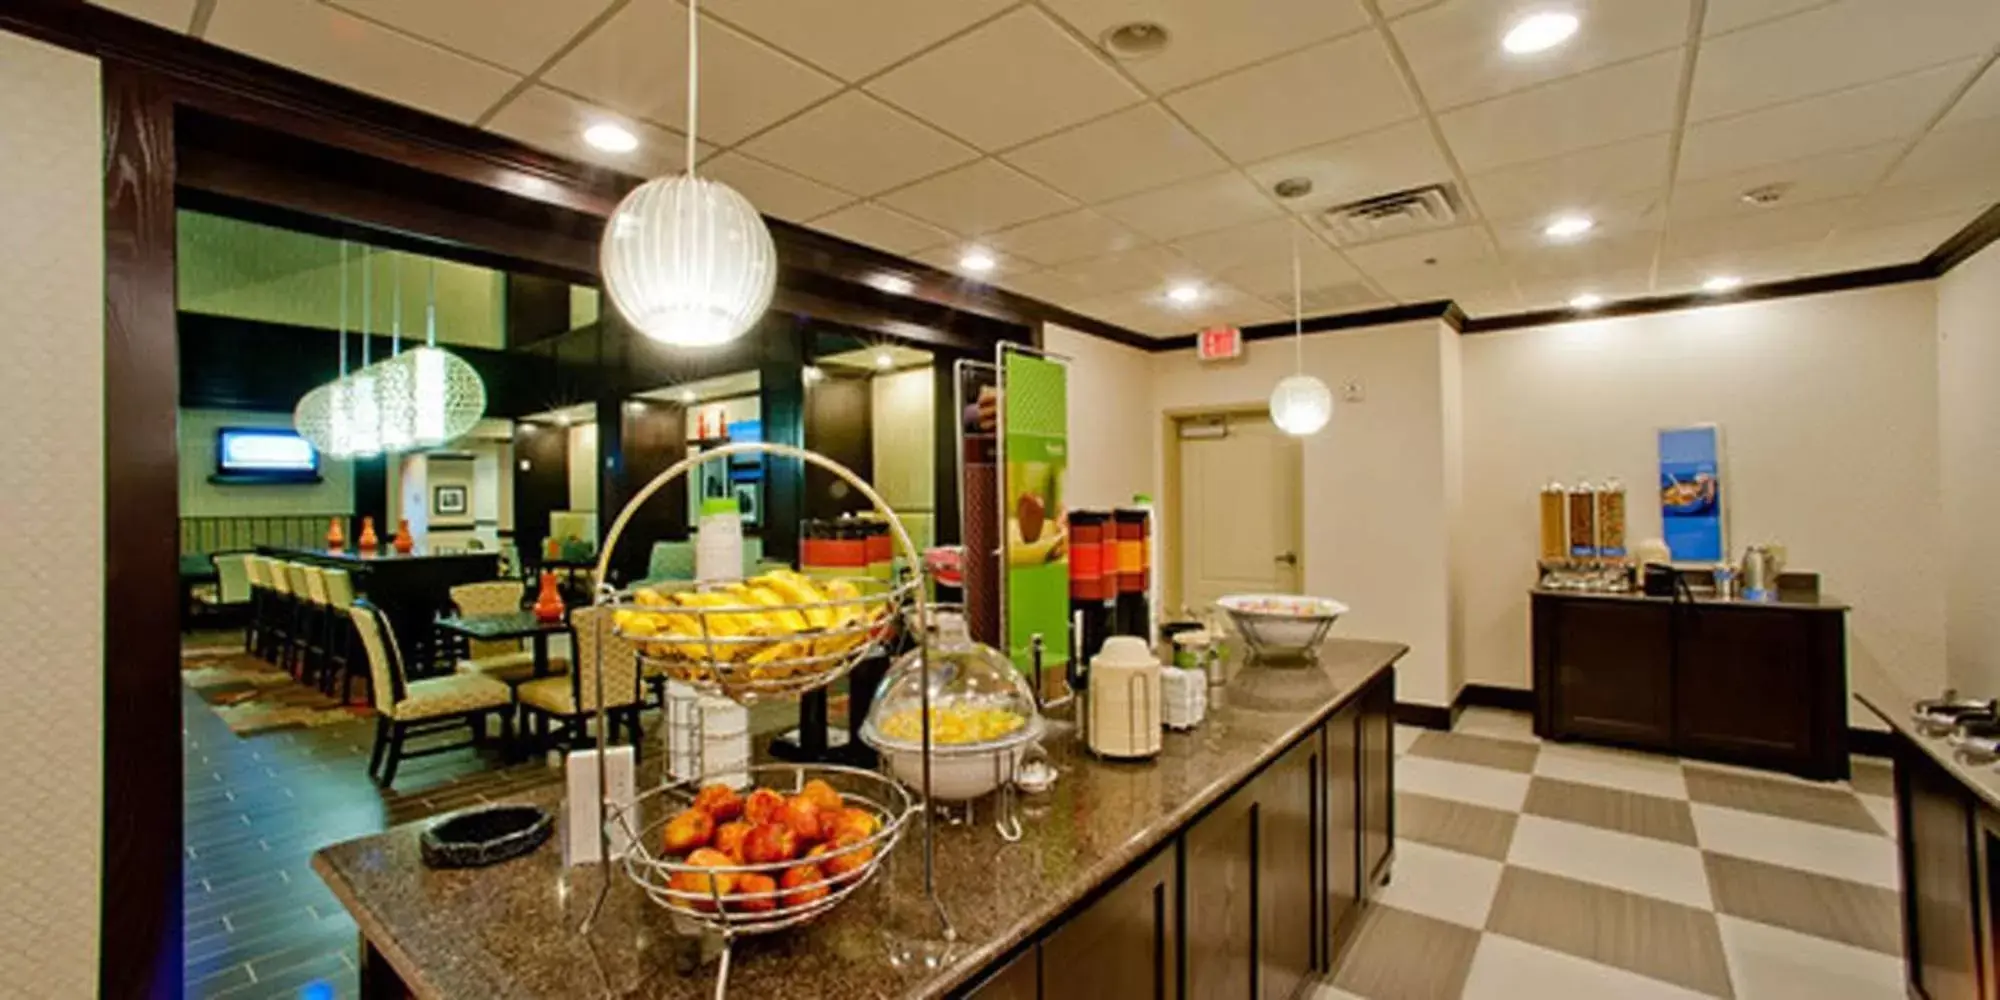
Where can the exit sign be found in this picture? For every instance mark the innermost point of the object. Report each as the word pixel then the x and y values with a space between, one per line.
pixel 1219 343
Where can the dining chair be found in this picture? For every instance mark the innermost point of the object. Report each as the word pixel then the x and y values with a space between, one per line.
pixel 405 709
pixel 571 701
pixel 340 637
pixel 284 611
pixel 503 660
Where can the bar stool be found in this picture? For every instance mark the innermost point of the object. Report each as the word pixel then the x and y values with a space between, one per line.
pixel 340 635
pixel 283 612
pixel 316 628
pixel 253 630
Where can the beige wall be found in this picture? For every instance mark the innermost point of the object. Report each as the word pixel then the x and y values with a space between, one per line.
pixel 333 494
pixel 583 467
pixel 1969 456
pixel 904 428
pixel 1828 406
pixel 1376 521
pixel 1111 418
pixel 52 403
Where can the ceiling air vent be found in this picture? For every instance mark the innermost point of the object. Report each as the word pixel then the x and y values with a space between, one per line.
pixel 1402 213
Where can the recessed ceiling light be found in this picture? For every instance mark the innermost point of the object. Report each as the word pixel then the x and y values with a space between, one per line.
pixel 1184 294
pixel 1539 32
pixel 687 397
pixel 883 359
pixel 1722 283
pixel 894 284
pixel 1587 300
pixel 1569 227
pixel 811 374
pixel 1137 40
pixel 976 261
pixel 611 137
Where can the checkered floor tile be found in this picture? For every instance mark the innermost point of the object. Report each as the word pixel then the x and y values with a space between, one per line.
pixel 1526 869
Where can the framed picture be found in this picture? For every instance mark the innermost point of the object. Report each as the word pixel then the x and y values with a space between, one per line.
pixel 448 501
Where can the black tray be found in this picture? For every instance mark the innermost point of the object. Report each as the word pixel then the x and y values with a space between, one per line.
pixel 484 836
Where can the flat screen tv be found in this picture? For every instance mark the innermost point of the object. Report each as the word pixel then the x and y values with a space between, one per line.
pixel 264 455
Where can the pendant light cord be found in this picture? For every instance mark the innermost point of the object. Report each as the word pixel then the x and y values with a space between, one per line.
pixel 343 308
pixel 396 324
pixel 431 308
pixel 694 79
pixel 1298 306
pixel 367 305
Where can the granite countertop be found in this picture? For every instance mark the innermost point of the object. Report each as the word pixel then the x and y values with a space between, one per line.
pixel 1892 701
pixel 1704 599
pixel 510 930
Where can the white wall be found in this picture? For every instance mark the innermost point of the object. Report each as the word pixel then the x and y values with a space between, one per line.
pixel 52 404
pixel 1376 521
pixel 583 467
pixel 1968 361
pixel 1111 419
pixel 1829 411
pixel 333 494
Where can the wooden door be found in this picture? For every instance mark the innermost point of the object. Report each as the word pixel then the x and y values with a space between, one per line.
pixel 1239 514
pixel 1378 781
pixel 1288 858
pixel 1940 888
pixel 1123 945
pixel 1606 667
pixel 1220 865
pixel 1341 856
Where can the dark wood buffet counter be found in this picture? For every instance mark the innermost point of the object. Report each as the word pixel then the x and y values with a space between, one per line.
pixel 412 590
pixel 1761 683
pixel 1236 864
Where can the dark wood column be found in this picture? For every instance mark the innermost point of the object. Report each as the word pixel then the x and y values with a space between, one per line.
pixel 838 424
pixel 611 491
pixel 541 483
pixel 783 398
pixel 140 945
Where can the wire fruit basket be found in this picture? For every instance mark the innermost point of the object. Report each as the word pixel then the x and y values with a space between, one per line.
pixel 777 635
pixel 744 898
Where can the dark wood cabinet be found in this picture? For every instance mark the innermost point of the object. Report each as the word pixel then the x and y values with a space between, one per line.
pixel 1941 890
pixel 1288 833
pixel 1123 945
pixel 1342 830
pixel 1378 781
pixel 1762 685
pixel 1019 979
pixel 1219 858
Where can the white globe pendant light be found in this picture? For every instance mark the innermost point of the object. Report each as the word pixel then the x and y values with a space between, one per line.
pixel 686 260
pixel 1300 404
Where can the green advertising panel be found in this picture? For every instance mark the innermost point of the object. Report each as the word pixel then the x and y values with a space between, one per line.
pixel 1035 446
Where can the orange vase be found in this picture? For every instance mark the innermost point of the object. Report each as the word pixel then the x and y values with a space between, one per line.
pixel 404 543
pixel 336 539
pixel 368 542
pixel 549 603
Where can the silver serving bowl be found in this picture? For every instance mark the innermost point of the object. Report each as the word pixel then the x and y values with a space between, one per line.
pixel 1282 625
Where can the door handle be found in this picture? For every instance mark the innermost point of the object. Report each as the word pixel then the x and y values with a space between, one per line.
pixel 1288 558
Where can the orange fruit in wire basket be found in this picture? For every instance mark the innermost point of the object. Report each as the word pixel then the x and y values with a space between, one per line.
pixel 719 801
pixel 753 884
pixel 707 884
pixel 804 885
pixel 824 796
pixel 687 831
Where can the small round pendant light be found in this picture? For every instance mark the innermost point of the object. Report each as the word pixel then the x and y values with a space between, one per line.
pixel 1300 404
pixel 687 260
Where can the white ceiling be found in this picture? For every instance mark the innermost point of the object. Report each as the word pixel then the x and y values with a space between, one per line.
pixel 924 127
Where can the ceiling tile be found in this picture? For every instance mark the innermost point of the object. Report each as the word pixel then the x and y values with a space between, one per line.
pixel 1778 226
pixel 517 34
pixel 946 258
pixel 637 63
pixel 1330 91
pixel 1778 262
pixel 872 225
pixel 1048 285
pixel 1146 267
pixel 1834 175
pixel 1017 77
pixel 774 190
pixel 1445 248
pixel 555 121
pixel 978 198
pixel 1585 259
pixel 1500 300
pixel 856 143
pixel 1966 196
pixel 1132 150
pixel 1396 158
pixel 1593 109
pixel 1422 284
pixel 1196 206
pixel 1981 101
pixel 1731 15
pixel 1612 286
pixel 1615 218
pixel 1605 175
pixel 1883 246
pixel 1319 267
pixel 173 15
pixel 1266 244
pixel 1208 38
pixel 335 45
pixel 1849 119
pixel 1454 48
pixel 1120 310
pixel 1952 153
pixel 1068 237
pixel 853 38
pixel 1830 48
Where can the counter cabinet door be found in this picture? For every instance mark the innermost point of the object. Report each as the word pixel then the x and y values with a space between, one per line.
pixel 1751 686
pixel 1604 670
pixel 1940 877
pixel 1378 781
pixel 1019 979
pixel 1220 870
pixel 1341 855
pixel 1122 945
pixel 1288 856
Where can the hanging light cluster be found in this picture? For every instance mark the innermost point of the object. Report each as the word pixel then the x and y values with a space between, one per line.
pixel 687 260
pixel 419 398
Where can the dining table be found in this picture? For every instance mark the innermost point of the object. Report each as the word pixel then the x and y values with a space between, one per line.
pixel 508 625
